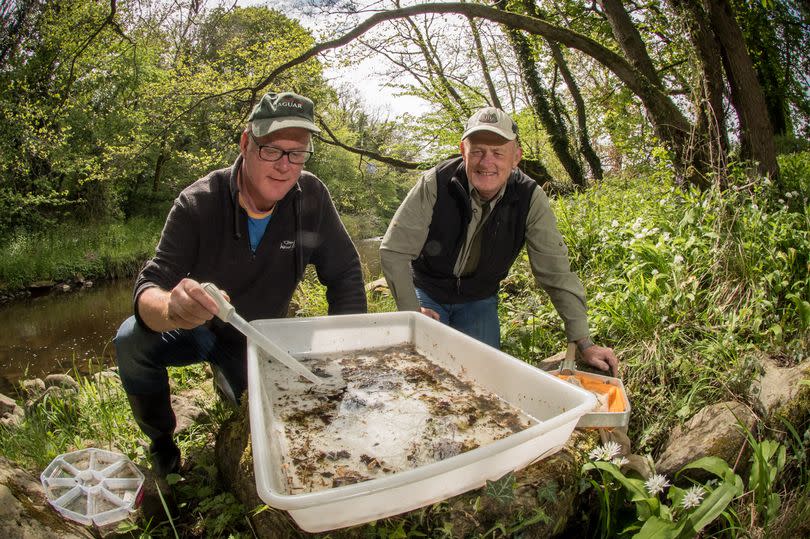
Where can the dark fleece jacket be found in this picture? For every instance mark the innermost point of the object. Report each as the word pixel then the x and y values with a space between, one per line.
pixel 206 238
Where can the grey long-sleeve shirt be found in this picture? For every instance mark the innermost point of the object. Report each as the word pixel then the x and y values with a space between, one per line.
pixel 548 254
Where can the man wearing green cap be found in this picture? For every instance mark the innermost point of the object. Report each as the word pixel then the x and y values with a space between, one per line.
pixel 251 229
pixel 460 229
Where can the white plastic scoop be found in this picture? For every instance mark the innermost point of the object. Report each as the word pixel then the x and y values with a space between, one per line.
pixel 227 313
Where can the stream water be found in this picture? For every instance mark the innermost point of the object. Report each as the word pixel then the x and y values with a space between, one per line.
pixel 60 333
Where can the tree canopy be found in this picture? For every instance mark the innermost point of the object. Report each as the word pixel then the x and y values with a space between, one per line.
pixel 110 108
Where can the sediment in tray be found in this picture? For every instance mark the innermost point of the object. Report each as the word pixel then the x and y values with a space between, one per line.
pixel 381 412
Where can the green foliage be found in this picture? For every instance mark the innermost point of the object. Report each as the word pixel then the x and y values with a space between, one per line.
pixel 501 490
pixel 686 513
pixel 102 118
pixel 60 253
pixel 98 415
pixel 767 462
pixel 686 285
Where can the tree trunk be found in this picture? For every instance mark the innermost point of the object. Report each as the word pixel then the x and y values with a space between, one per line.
pixel 679 138
pixel 670 124
pixel 163 156
pixel 582 127
pixel 710 124
pixel 756 134
pixel 456 106
pixel 629 39
pixel 542 106
pixel 479 51
pixel 761 39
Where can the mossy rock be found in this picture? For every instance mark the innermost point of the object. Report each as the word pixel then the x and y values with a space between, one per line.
pixel 796 411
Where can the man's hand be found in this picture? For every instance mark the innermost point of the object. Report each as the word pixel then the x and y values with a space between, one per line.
pixel 189 306
pixel 186 306
pixel 431 313
pixel 602 358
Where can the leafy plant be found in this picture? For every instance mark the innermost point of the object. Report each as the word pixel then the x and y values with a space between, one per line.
pixel 681 512
pixel 501 490
pixel 767 462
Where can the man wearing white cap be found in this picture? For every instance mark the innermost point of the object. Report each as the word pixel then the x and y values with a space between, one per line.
pixel 460 229
pixel 251 229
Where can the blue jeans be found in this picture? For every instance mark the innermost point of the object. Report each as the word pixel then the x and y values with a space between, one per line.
pixel 478 319
pixel 143 356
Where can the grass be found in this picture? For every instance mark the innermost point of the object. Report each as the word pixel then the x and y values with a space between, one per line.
pixel 100 251
pixel 690 288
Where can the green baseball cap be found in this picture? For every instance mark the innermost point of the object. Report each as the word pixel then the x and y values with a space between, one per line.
pixel 493 120
pixel 282 110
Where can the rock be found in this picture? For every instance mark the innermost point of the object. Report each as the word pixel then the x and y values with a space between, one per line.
pixel 61 380
pixel 552 362
pixel 186 412
pixel 11 414
pixel 87 284
pixel 379 286
pixel 778 385
pixel 549 486
pixel 713 431
pixel 105 377
pixel 58 398
pixel 32 388
pixel 63 288
pixel 793 406
pixel 25 512
pixel 41 285
pixel 154 492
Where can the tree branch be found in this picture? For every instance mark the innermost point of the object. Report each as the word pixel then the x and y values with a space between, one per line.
pixel 108 21
pixel 656 101
pixel 367 153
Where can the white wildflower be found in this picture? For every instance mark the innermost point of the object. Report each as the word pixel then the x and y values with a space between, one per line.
pixel 654 272
pixel 605 452
pixel 612 449
pixel 789 194
pixel 614 223
pixel 766 181
pixel 678 259
pixel 655 484
pixel 754 206
pixel 597 453
pixel 781 201
pixel 692 497
pixel 666 236
pixel 620 461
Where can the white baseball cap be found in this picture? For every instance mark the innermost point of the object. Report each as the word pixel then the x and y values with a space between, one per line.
pixel 493 120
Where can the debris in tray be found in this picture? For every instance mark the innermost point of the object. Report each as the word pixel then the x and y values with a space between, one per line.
pixel 379 412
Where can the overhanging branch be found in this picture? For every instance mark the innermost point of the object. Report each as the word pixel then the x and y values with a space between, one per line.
pixel 367 153
pixel 653 97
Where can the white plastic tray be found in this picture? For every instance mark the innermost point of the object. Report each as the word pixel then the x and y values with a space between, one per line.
pixel 92 486
pixel 556 404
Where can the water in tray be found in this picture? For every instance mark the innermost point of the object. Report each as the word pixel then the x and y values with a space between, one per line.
pixel 381 411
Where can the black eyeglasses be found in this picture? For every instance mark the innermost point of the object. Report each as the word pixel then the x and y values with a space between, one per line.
pixel 271 153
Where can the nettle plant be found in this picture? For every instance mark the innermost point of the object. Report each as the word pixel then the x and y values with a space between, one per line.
pixel 662 510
